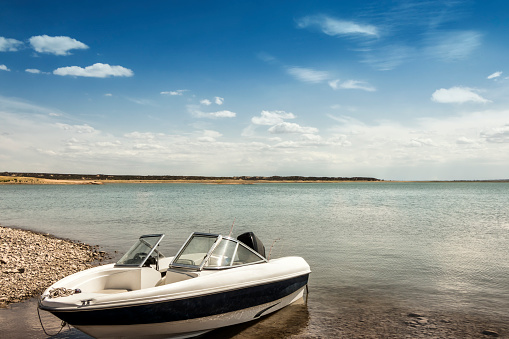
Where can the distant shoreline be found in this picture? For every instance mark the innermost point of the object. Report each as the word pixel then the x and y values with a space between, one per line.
pixel 99 179
pixel 25 178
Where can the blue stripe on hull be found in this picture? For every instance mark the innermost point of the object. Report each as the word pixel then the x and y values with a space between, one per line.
pixel 184 309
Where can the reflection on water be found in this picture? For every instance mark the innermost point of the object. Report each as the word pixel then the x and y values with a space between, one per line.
pixel 289 321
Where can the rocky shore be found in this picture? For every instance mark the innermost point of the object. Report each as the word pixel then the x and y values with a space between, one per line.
pixel 30 262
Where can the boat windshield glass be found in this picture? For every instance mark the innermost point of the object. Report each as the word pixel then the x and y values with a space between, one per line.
pixel 195 250
pixel 223 254
pixel 210 251
pixel 143 251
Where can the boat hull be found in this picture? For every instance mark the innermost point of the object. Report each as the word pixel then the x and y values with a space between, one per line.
pixel 187 316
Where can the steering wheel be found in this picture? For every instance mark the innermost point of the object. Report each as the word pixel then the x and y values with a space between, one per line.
pixel 140 256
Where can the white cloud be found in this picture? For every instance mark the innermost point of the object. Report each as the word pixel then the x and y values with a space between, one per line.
pixel 58 45
pixel 209 136
pixel 334 84
pixel 269 118
pixel 148 147
pixel 97 70
pixel 465 141
pixel 206 102
pixel 335 27
pixel 80 129
pixel 308 74
pixel 9 45
pixel 221 114
pixel 33 70
pixel 290 127
pixel 108 95
pixel 173 93
pixel 218 100
pixel 351 84
pixel 468 146
pixel 497 134
pixel 197 112
pixel 458 95
pixel 494 75
pixel 4 68
pixel 142 136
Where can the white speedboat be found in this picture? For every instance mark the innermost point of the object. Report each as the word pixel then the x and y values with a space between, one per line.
pixel 213 281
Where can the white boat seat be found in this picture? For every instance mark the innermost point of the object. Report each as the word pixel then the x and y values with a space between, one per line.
pixel 113 291
pixel 173 276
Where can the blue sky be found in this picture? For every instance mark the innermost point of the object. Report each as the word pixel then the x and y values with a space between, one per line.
pixel 398 90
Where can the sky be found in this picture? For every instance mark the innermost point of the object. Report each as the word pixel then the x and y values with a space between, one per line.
pixel 396 90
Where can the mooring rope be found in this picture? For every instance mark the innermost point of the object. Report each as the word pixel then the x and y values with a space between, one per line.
pixel 56 293
pixel 44 330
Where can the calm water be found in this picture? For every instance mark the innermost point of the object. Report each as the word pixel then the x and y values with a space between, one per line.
pixel 425 245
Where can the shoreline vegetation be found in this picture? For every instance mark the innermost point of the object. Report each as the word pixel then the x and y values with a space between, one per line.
pixel 25 178
pixel 100 179
pixel 30 262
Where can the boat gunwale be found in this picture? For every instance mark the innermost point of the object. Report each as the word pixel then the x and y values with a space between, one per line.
pixel 132 303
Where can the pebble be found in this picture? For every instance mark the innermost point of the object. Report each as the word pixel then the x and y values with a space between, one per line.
pixel 490 333
pixel 31 262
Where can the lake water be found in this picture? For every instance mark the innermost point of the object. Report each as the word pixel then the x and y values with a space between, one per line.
pixel 421 245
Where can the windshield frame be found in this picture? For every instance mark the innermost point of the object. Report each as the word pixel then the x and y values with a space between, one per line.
pixel 148 254
pixel 203 264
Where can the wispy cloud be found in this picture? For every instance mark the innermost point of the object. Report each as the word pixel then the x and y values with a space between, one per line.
pixel 388 57
pixel 290 127
pixel 178 92
pixel 352 84
pixel 32 70
pixel 217 100
pixel 4 68
pixel 458 95
pixel 80 129
pixel 337 27
pixel 9 45
pixel 411 29
pixel 97 70
pixel 209 136
pixel 269 118
pixel 497 134
pixel 196 111
pixel 308 74
pixel 453 45
pixel 58 45
pixel 494 75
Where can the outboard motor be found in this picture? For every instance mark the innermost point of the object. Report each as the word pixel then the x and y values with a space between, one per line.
pixel 251 240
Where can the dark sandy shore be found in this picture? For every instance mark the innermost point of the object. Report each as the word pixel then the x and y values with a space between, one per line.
pixel 351 313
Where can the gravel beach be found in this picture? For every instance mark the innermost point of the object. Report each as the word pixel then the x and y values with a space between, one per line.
pixel 30 262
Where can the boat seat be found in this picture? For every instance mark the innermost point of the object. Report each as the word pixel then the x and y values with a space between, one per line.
pixel 113 291
pixel 173 276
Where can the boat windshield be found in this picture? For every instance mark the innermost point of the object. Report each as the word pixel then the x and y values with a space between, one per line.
pixel 143 252
pixel 210 251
